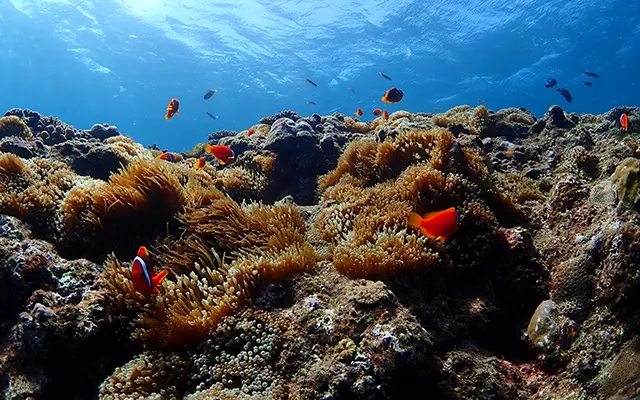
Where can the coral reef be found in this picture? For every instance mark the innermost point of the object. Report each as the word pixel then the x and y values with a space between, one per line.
pixel 312 285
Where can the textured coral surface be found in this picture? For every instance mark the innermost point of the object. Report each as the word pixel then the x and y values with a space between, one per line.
pixel 294 273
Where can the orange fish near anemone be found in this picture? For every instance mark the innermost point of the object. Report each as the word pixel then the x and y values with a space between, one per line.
pixel 224 154
pixel 624 121
pixel 251 131
pixel 167 156
pixel 200 163
pixel 385 114
pixel 172 108
pixel 359 112
pixel 393 95
pixel 437 225
pixel 377 111
pixel 142 275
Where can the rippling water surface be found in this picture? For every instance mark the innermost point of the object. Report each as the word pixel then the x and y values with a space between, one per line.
pixel 121 61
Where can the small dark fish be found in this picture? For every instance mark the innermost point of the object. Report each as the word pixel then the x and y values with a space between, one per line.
pixel 211 115
pixel 393 95
pixel 437 108
pixel 385 76
pixel 311 82
pixel 352 91
pixel 565 93
pixel 591 74
pixel 551 83
pixel 311 102
pixel 588 83
pixel 481 101
pixel 209 93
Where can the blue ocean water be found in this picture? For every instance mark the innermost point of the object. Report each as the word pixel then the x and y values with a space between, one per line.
pixel 121 61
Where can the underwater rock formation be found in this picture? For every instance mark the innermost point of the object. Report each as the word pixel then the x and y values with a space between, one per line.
pixel 312 285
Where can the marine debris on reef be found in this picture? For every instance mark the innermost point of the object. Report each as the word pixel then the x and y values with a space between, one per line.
pixel 314 284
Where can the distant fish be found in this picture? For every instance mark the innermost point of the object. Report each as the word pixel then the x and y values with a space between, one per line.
pixel 591 74
pixel 359 112
pixel 172 108
pixel 393 95
pixel 385 114
pixel 311 82
pixel 588 83
pixel 385 76
pixel 224 154
pixel 167 156
pixel 209 93
pixel 565 93
pixel 481 101
pixel 200 163
pixel 624 121
pixel 352 91
pixel 313 103
pixel 377 111
pixel 251 131
pixel 211 115
pixel 437 108
pixel 551 83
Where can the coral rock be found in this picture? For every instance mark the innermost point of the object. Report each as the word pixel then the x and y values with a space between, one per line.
pixel 23 148
pixel 88 158
pixel 558 118
pixel 104 131
pixel 626 179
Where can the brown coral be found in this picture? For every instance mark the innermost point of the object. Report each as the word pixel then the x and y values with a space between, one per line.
pixel 473 120
pixel 152 375
pixel 33 190
pixel 263 244
pixel 373 162
pixel 14 126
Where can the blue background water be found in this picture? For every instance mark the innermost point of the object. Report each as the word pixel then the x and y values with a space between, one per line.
pixel 120 61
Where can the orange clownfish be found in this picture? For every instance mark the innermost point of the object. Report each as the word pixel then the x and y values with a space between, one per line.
pixel 437 225
pixel 167 156
pixel 393 95
pixel 251 131
pixel 144 280
pixel 377 111
pixel 385 114
pixel 624 121
pixel 172 108
pixel 224 154
pixel 200 163
pixel 359 112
